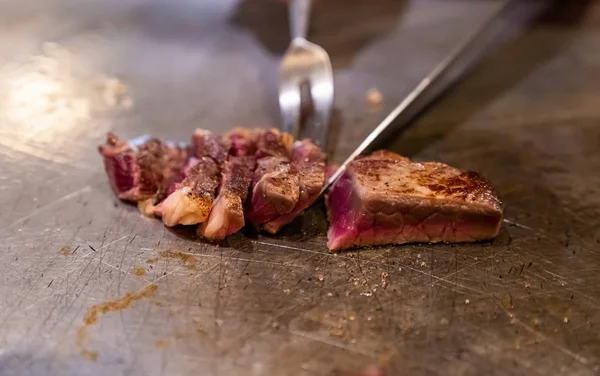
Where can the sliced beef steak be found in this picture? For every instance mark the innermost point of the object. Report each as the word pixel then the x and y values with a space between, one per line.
pixel 275 187
pixel 190 201
pixel 309 161
pixel 227 214
pixel 388 199
pixel 138 170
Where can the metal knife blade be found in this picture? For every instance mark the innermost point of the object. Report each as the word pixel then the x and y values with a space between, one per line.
pixel 506 20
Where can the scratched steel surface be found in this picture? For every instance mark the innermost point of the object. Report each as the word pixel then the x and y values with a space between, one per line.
pixel 526 303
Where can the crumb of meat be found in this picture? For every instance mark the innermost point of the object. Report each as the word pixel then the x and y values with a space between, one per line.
pixel 374 97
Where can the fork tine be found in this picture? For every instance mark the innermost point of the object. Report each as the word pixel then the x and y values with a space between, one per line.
pixel 321 91
pixel 289 104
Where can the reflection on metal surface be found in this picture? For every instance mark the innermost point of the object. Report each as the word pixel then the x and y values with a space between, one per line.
pixel 41 102
pixel 52 96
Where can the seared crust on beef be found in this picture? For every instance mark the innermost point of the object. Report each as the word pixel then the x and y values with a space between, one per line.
pixel 227 214
pixel 190 201
pixel 275 187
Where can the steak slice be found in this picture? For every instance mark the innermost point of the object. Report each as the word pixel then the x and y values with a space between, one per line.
pixel 275 187
pixel 242 142
pixel 272 143
pixel 189 202
pixel 139 169
pixel 309 161
pixel 387 199
pixel 227 214
pixel 207 144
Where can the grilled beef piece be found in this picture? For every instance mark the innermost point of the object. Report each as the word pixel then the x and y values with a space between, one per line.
pixel 227 214
pixel 139 169
pixel 189 202
pixel 309 161
pixel 242 142
pixel 387 199
pixel 272 143
pixel 275 187
pixel 207 144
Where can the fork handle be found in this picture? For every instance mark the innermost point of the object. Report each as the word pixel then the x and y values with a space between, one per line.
pixel 299 14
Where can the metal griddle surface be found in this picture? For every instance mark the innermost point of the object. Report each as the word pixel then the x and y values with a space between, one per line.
pixel 526 303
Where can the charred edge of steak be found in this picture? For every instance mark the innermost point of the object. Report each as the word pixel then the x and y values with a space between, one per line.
pixel 309 161
pixel 227 213
pixel 382 199
pixel 139 169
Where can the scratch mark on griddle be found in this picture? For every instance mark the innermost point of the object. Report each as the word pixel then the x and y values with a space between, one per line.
pixel 47 206
pixel 75 284
pixel 50 283
pixel 553 274
pixel 31 288
pixel 517 224
pixel 330 343
pixel 92 248
pixel 456 271
pixel 255 332
pixel 294 248
pixel 237 259
pixel 357 260
pixel 562 349
pixel 104 246
pixel 217 322
pixel 132 239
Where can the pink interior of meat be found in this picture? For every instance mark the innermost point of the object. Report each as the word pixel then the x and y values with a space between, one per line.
pixel 342 227
pixel 176 183
pixel 122 171
pixel 261 210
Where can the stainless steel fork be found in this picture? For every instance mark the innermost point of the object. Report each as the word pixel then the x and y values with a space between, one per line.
pixel 305 62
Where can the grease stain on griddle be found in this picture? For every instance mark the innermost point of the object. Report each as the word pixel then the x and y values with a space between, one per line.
pixel 139 271
pixel 97 310
pixel 65 251
pixel 185 259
